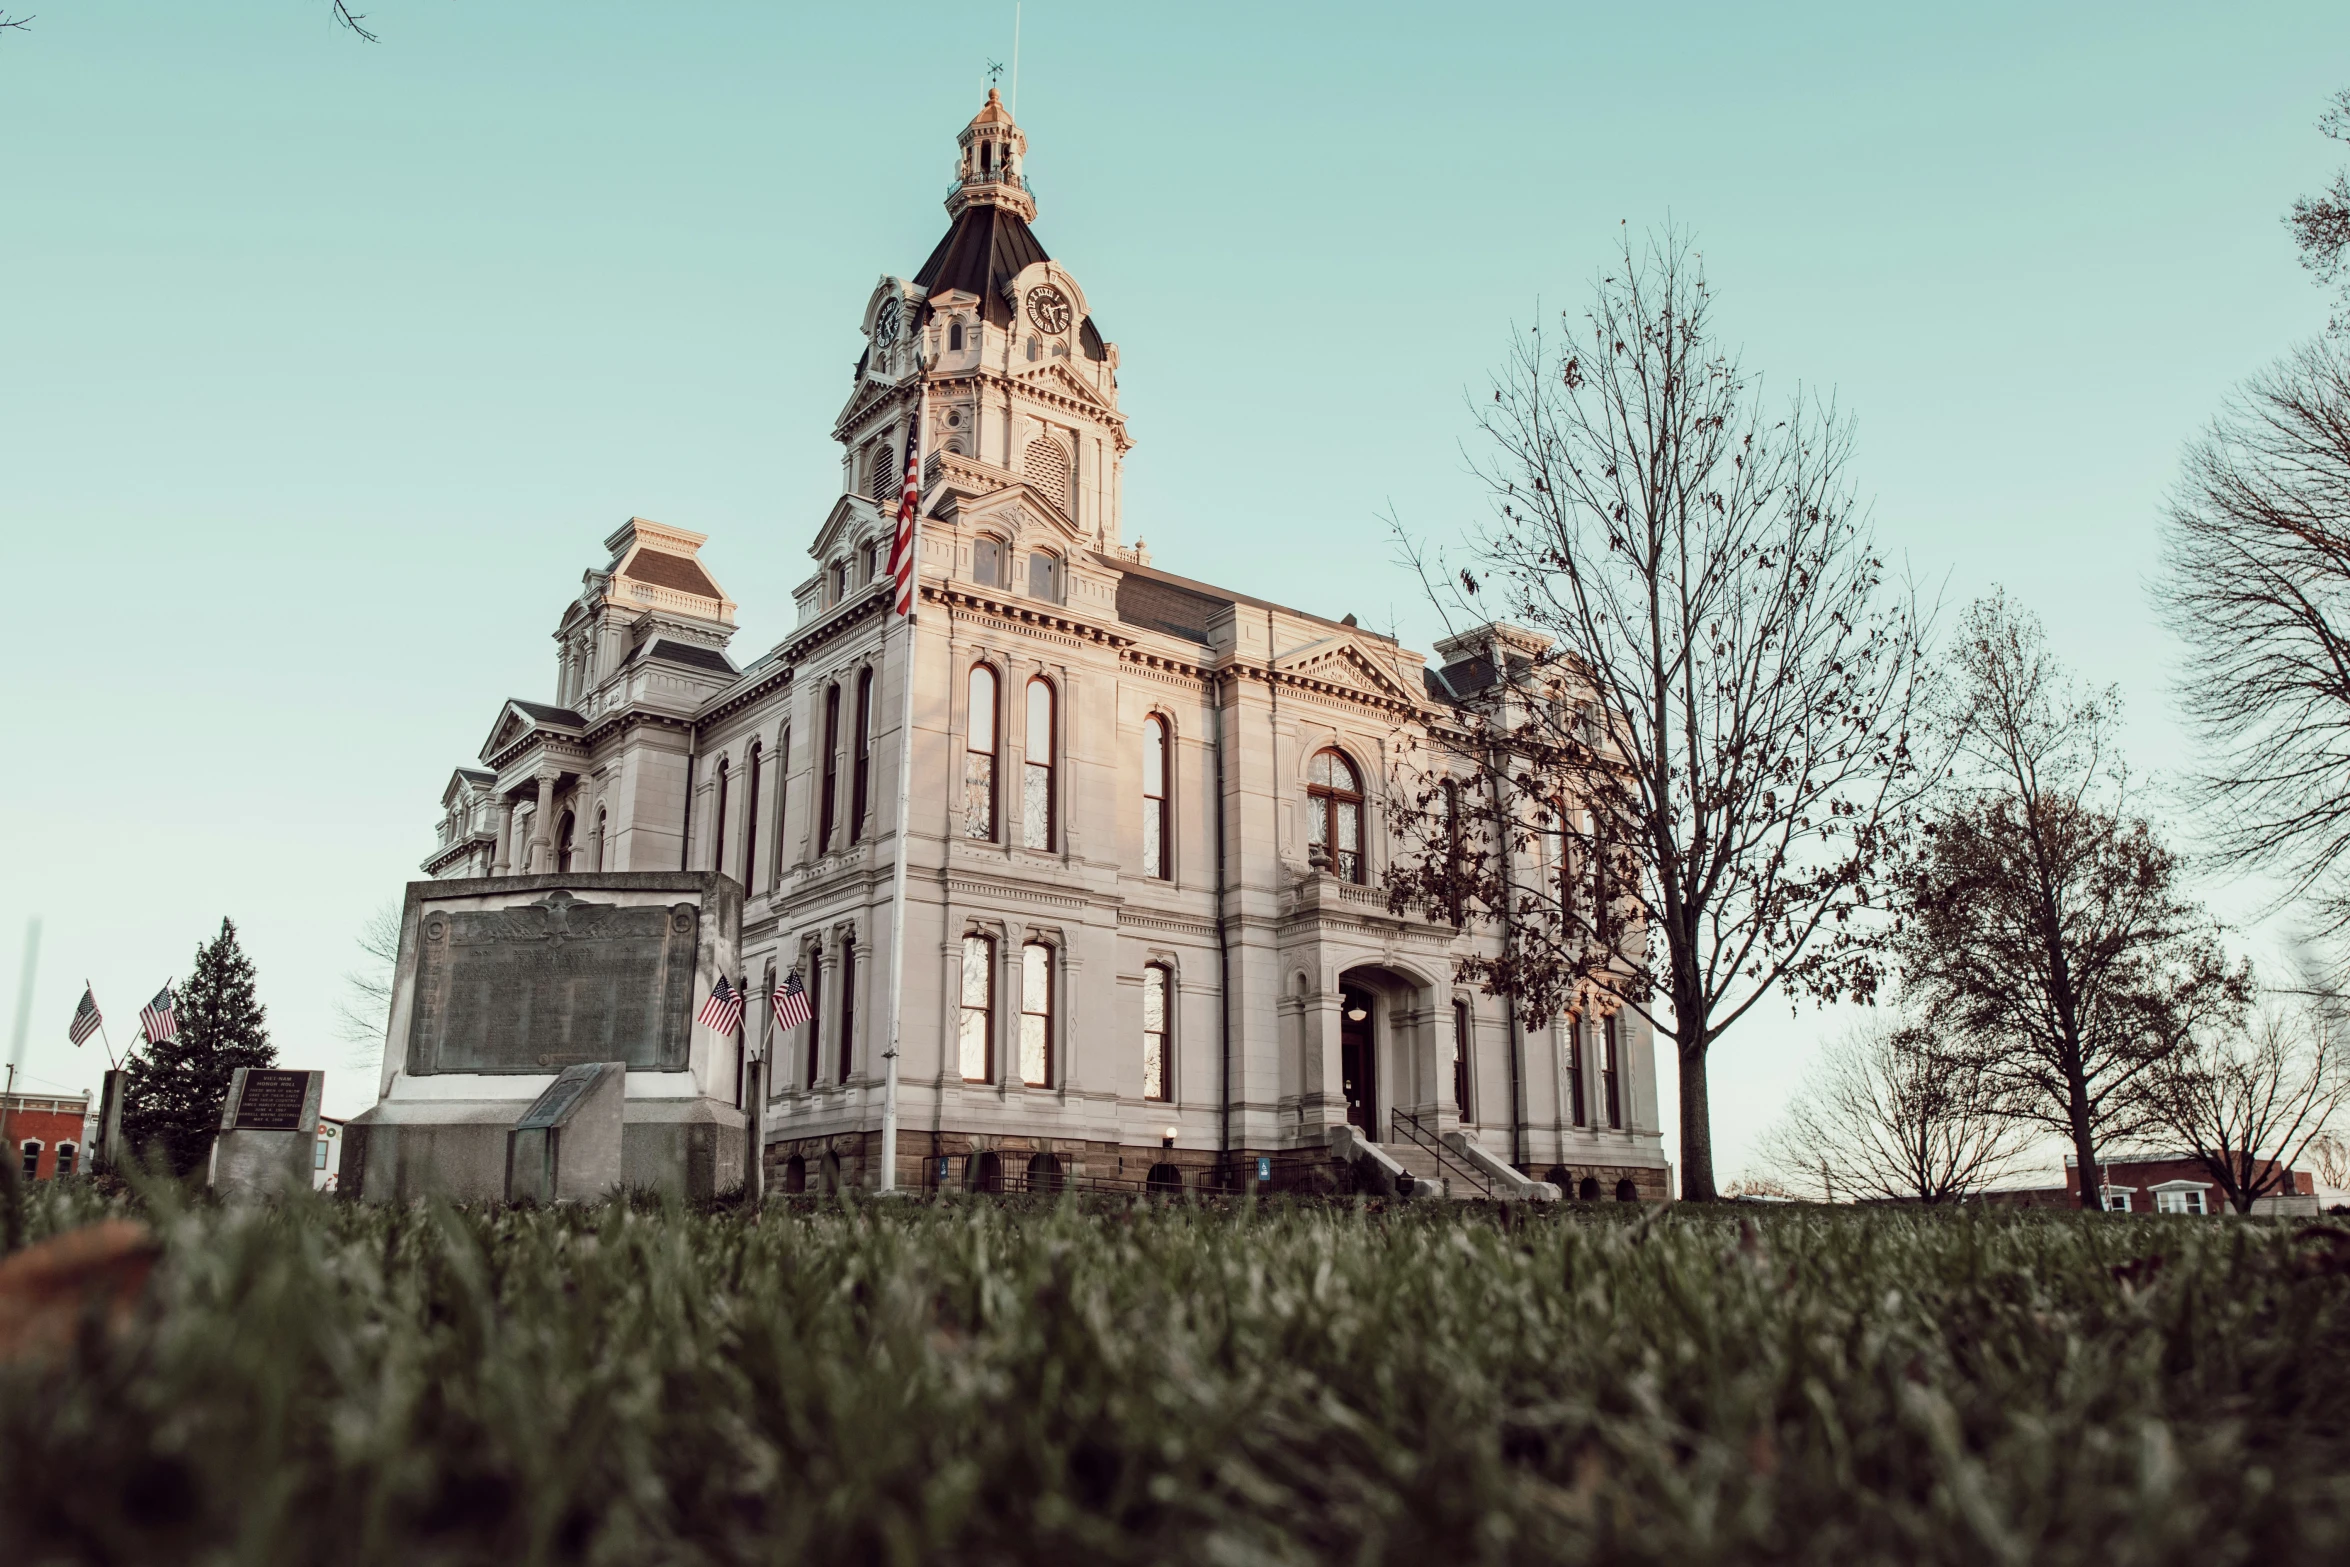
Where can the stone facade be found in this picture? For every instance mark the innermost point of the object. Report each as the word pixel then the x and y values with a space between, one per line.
pixel 1148 823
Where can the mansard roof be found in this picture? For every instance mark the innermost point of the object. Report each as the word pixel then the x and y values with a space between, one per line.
pixel 546 714
pixel 984 249
pixel 663 650
pixel 1161 601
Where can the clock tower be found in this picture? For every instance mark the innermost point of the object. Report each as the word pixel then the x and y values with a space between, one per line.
pixel 1019 391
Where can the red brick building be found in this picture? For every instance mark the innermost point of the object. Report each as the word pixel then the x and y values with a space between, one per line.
pixel 46 1134
pixel 2162 1183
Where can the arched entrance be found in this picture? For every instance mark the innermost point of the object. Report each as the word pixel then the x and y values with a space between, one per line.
pixel 1386 1062
pixel 1358 1059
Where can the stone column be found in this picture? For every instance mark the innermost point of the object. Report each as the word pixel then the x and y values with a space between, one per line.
pixel 542 828
pixel 585 832
pixel 503 862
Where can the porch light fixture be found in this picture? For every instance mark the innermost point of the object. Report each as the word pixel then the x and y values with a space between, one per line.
pixel 1167 1138
pixel 1356 1014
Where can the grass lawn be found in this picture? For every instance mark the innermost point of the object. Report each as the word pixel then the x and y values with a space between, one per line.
pixel 987 1381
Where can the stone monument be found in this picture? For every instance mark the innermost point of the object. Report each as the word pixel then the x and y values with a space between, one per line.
pixel 566 1147
pixel 268 1131
pixel 504 982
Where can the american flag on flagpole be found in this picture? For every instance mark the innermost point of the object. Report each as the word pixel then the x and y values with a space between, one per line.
pixel 160 1017
pixel 85 1017
pixel 790 1002
pixel 901 543
pixel 724 1010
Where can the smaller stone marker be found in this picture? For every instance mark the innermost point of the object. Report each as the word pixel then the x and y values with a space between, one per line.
pixel 107 1155
pixel 566 1146
pixel 268 1129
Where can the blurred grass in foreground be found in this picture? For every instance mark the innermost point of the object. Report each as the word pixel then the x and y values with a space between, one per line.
pixel 989 1382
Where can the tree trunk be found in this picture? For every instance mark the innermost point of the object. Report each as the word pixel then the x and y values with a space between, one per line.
pixel 2085 1149
pixel 1697 1136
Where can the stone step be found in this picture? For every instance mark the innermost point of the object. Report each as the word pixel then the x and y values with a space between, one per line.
pixel 1423 1164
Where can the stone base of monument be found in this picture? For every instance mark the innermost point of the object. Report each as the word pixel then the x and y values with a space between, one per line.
pixel 456 1149
pixel 268 1133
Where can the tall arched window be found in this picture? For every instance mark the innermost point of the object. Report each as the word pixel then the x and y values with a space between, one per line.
pixel 1609 1094
pixel 829 804
pixel 1036 777
pixel 782 801
pixel 882 482
pixel 751 817
pixel 840 581
pixel 987 561
pixel 32 1158
pixel 718 822
pixel 814 1029
pixel 1046 466
pixel 1157 984
pixel 1334 804
pixel 1044 576
pixel 1576 1095
pixel 603 827
pixel 1460 1058
pixel 1155 859
pixel 976 1032
pixel 67 1152
pixel 848 1006
pixel 979 757
pixel 566 832
pixel 1036 1014
pixel 860 760
pixel 1453 901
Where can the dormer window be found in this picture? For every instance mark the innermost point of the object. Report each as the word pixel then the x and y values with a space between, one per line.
pixel 840 581
pixel 1044 577
pixel 987 561
pixel 955 338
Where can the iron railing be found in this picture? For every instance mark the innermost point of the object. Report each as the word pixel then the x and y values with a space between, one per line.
pixel 1408 1128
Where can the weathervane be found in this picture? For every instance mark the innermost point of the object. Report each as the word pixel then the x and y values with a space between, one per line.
pixel 995 74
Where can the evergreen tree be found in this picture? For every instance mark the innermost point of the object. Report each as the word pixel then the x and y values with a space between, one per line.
pixel 173 1091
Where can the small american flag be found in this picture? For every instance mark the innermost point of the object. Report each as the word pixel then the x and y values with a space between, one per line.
pixel 85 1017
pixel 790 1002
pixel 160 1017
pixel 724 1010
pixel 901 543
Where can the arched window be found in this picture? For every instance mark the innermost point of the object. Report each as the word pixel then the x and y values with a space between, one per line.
pixel 1575 1093
pixel 976 1033
pixel 840 581
pixel 1157 983
pixel 566 829
pixel 1036 778
pixel 882 482
pixel 67 1151
pixel 1589 1190
pixel 987 1171
pixel 1452 851
pixel 1626 1191
pixel 1044 576
pixel 826 807
pixel 32 1157
pixel 782 800
pixel 751 763
pixel 860 760
pixel 718 822
pixel 848 1007
pixel 979 757
pixel 814 1029
pixel 1334 804
pixel 1044 1172
pixel 1156 861
pixel 1608 1094
pixel 1559 1176
pixel 1461 1041
pixel 795 1174
pixel 603 826
pixel 1047 468
pixel 1164 1180
pixel 987 561
pixel 955 338
pixel 1036 1014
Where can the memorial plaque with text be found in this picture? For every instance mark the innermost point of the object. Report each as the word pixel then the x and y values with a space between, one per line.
pixel 551 984
pixel 272 1101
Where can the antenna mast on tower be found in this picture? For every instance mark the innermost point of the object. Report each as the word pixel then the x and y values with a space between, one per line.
pixel 1015 60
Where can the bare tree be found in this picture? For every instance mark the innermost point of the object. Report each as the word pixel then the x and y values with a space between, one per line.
pixel 2329 1159
pixel 2256 584
pixel 1885 1113
pixel 2251 1100
pixel 2320 224
pixel 352 19
pixel 2043 926
pixel 363 1011
pixel 17 22
pixel 1705 737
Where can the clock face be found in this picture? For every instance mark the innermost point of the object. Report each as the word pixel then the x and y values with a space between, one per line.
pixel 1048 307
pixel 885 325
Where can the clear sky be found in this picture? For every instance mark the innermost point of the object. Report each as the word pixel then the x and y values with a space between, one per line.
pixel 325 366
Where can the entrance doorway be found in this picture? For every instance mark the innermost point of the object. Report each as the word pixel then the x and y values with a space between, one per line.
pixel 1358 1059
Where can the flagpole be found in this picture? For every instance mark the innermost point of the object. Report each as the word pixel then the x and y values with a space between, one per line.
pixel 104 1038
pixel 897 917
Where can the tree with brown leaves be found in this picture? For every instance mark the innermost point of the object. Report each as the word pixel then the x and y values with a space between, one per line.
pixel 1677 767
pixel 2043 925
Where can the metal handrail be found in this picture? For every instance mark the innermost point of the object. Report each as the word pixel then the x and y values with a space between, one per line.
pixel 1408 1127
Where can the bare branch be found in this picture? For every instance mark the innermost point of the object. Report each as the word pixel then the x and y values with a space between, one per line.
pixel 351 19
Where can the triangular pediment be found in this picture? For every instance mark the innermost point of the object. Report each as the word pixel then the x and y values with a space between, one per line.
pixel 849 514
pixel 1059 378
pixel 519 719
pixel 1339 661
pixel 1015 508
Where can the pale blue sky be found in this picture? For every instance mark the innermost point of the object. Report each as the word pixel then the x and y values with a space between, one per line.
pixel 324 366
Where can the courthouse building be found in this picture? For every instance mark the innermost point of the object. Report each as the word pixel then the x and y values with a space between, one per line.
pixel 1150 817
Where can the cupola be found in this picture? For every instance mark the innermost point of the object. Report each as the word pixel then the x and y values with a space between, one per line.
pixel 989 170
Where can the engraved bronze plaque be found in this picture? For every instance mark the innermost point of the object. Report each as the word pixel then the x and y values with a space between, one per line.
pixel 542 986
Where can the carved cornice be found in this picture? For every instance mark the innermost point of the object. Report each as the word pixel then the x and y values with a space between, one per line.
pixel 971 601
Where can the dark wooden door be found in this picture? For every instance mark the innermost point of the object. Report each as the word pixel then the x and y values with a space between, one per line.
pixel 1358 1062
